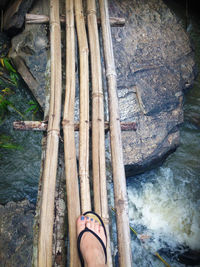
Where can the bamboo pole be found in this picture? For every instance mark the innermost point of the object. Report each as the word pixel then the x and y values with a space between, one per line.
pixel 72 188
pixel 98 138
pixel 50 166
pixel 84 108
pixel 42 126
pixel 98 133
pixel 37 19
pixel 119 179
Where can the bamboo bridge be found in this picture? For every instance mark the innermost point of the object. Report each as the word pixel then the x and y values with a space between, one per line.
pixel 78 191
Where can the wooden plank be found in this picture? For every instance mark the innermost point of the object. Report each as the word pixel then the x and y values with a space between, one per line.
pixel 119 179
pixel 84 108
pixel 72 187
pixel 53 132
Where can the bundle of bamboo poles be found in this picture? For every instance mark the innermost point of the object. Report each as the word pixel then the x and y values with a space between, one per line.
pixel 75 205
pixel 53 133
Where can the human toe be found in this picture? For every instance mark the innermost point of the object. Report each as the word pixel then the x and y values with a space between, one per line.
pixel 81 223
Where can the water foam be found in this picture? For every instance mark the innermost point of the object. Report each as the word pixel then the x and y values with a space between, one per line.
pixel 166 207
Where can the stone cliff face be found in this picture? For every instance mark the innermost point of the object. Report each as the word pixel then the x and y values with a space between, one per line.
pixel 154 63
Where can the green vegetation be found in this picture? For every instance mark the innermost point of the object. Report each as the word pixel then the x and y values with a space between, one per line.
pixel 7 142
pixel 34 108
pixel 8 75
pixel 9 79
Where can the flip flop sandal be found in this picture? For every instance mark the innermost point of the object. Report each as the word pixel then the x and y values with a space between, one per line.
pixel 96 217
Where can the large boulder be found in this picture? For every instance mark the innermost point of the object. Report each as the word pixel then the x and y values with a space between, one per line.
pixel 155 64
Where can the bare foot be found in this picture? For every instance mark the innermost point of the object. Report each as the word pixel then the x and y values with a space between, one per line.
pixel 91 249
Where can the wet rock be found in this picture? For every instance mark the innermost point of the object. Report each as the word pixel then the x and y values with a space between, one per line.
pixel 30 55
pixel 14 16
pixel 154 64
pixel 16 223
pixel 4 44
pixel 190 257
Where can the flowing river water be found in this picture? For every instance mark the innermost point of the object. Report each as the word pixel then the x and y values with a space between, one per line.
pixel 20 168
pixel 164 203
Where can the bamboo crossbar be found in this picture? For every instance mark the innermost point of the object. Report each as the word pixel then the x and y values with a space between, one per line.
pixel 119 179
pixel 72 187
pixel 42 125
pixel 84 108
pixel 38 19
pixel 50 165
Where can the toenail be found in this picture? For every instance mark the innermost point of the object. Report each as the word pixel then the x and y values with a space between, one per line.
pixel 88 218
pixel 91 219
pixel 82 218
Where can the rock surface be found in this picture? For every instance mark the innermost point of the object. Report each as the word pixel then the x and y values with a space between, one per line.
pixel 155 64
pixel 4 44
pixel 30 55
pixel 16 236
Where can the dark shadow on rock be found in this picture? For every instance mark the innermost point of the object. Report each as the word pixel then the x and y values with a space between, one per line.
pixel 14 16
pixel 190 257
